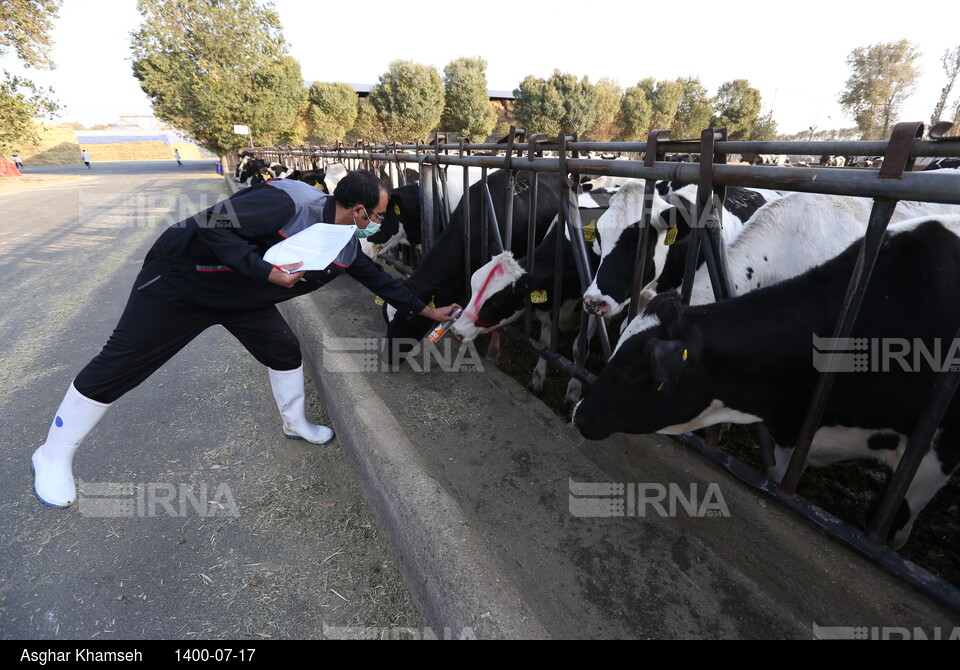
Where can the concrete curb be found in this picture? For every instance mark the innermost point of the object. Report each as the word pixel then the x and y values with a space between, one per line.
pixel 455 583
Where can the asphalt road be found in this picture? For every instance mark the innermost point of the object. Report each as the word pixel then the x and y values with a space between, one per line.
pixel 196 518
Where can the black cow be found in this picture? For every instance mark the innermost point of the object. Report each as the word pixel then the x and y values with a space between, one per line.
pixel 757 358
pixel 440 278
pixel 401 225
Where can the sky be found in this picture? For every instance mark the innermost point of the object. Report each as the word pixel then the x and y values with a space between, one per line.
pixel 795 55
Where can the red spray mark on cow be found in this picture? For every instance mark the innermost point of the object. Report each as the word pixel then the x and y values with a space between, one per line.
pixel 472 312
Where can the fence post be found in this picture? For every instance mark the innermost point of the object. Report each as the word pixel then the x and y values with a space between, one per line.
pixel 896 160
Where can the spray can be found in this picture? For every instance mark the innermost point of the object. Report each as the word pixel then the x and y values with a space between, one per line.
pixel 443 327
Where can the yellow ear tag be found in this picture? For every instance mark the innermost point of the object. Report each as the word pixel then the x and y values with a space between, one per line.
pixel 538 297
pixel 590 232
pixel 660 388
pixel 671 236
pixel 684 354
pixel 320 186
pixel 396 210
pixel 430 304
pixel 379 301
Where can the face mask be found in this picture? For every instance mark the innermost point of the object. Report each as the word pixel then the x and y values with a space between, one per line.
pixel 371 229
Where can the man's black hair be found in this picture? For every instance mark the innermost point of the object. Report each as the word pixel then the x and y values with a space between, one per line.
pixel 360 187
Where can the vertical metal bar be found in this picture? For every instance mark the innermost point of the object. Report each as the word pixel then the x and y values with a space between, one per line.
pixel 511 187
pixel 643 238
pixel 558 256
pixel 492 218
pixel 575 232
pixel 943 391
pixel 532 226
pixel 465 212
pixel 484 219
pixel 440 185
pixel 896 160
pixel 426 206
pixel 709 215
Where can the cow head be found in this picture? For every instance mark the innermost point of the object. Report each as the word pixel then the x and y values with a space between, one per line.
pixel 498 296
pixel 253 171
pixel 618 236
pixel 652 383
pixel 401 224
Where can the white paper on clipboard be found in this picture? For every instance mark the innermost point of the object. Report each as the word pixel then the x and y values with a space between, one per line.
pixel 317 246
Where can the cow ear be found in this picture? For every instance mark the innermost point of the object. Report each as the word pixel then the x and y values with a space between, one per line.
pixel 676 217
pixel 665 306
pixel 393 204
pixel 668 358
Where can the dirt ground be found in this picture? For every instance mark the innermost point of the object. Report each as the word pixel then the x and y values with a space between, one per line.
pixel 845 490
pixel 27 180
pixel 295 554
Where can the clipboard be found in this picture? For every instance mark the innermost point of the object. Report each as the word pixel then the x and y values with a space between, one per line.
pixel 317 246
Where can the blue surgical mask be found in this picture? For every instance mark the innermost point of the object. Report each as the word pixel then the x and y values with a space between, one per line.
pixel 371 229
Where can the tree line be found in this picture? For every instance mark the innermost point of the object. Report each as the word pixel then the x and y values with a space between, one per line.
pixel 207 65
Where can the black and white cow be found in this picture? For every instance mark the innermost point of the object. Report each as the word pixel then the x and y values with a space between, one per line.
pixel 944 164
pixel 251 170
pixel 792 234
pixel 504 286
pixel 440 277
pixel 401 225
pixel 752 359
pixel 618 235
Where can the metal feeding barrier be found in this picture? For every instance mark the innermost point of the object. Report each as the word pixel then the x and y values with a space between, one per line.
pixel 536 154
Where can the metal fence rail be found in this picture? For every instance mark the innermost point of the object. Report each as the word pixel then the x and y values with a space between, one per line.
pixel 893 182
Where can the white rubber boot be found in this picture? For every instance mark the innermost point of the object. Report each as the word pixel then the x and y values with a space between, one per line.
pixel 52 462
pixel 288 392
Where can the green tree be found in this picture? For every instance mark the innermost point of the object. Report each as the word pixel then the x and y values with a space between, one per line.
pixel 467 109
pixel 21 101
pixel 951 65
pixel 332 111
pixel 297 133
pixel 408 99
pixel 606 122
pixel 539 108
pixel 882 77
pixel 25 26
pixel 763 130
pixel 636 112
pixel 367 126
pixel 694 110
pixel 665 98
pixel 563 103
pixel 737 108
pixel 207 65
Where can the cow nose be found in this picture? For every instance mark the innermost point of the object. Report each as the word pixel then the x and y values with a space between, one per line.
pixel 595 307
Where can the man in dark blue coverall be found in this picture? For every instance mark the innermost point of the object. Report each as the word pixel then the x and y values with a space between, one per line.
pixel 208 270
